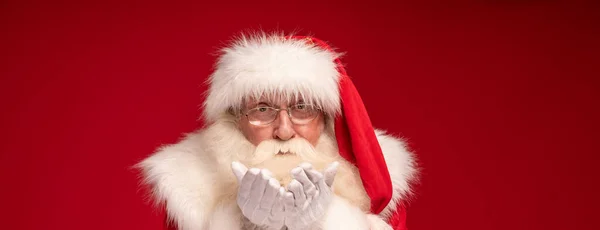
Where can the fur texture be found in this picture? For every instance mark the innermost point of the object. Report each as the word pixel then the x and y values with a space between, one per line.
pixel 193 179
pixel 402 167
pixel 265 65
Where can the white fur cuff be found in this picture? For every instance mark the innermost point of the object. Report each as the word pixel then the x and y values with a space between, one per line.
pixel 377 223
pixel 344 216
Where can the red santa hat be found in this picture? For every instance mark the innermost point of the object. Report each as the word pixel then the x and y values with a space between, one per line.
pixel 302 66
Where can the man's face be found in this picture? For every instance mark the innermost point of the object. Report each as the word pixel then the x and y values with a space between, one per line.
pixel 302 123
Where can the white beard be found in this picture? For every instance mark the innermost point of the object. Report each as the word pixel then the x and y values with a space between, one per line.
pixel 194 180
pixel 280 157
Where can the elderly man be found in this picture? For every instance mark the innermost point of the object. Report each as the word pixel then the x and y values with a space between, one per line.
pixel 287 145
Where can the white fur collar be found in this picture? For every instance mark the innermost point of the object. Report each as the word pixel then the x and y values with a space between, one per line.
pixel 187 176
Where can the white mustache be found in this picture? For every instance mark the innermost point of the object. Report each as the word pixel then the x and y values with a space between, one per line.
pixel 271 148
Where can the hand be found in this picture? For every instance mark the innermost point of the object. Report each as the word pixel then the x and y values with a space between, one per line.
pixel 259 196
pixel 309 196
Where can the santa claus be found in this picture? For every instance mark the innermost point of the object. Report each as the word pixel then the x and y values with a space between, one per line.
pixel 287 145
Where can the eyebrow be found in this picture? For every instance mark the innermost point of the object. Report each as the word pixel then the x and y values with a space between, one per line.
pixel 258 103
pixel 255 104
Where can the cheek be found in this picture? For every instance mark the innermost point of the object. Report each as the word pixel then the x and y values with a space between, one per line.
pixel 256 135
pixel 311 132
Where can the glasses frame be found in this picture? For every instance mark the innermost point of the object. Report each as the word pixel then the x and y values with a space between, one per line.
pixel 278 110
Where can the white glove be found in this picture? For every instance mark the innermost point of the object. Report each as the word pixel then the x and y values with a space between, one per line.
pixel 259 196
pixel 309 196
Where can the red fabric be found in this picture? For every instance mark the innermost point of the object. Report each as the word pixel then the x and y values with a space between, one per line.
pixel 356 139
pixel 398 219
pixel 358 144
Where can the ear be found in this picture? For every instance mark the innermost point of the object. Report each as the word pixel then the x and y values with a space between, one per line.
pixel 235 115
pixel 232 112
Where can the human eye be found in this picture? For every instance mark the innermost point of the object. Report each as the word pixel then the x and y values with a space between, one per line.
pixel 303 111
pixel 262 109
pixel 300 107
pixel 303 108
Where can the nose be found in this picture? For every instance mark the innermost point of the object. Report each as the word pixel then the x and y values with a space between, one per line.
pixel 284 129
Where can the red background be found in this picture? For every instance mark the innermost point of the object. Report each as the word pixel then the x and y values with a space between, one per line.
pixel 498 99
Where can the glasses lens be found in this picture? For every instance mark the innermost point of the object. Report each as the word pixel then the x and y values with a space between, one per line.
pixel 303 113
pixel 261 115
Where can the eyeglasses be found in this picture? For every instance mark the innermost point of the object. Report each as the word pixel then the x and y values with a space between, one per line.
pixel 299 114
